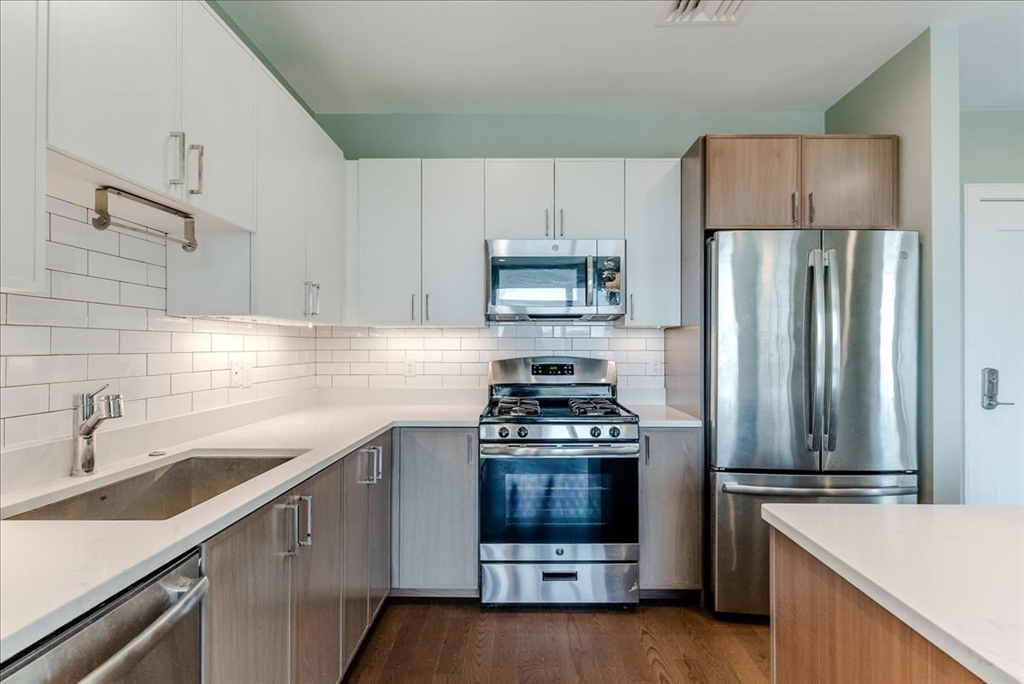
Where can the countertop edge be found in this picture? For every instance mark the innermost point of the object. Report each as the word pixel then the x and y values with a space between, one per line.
pixel 949 644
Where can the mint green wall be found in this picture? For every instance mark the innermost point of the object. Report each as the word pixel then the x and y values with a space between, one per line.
pixel 992 147
pixel 547 135
pixel 916 95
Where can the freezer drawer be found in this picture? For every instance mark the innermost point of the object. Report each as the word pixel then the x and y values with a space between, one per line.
pixel 559 583
pixel 739 537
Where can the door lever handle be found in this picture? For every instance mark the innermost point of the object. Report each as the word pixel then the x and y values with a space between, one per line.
pixel 990 390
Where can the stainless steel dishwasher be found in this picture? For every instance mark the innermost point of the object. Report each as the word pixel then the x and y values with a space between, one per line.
pixel 151 633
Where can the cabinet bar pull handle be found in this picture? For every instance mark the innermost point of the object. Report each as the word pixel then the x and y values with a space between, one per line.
pixel 647 450
pixel 294 508
pixel 378 460
pixel 307 306
pixel 632 309
pixel 810 209
pixel 469 449
pixel 180 179
pixel 309 520
pixel 412 307
pixel 561 220
pixel 796 207
pixel 426 307
pixel 202 155
pixel 547 222
pixel 316 311
pixel 369 480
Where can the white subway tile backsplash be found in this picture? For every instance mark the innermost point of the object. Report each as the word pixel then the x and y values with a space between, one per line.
pixel 161 364
pixel 215 398
pixel 38 370
pixel 116 268
pixel 116 365
pixel 158 320
pixel 586 344
pixel 141 249
pixel 83 288
pixel 222 342
pixel 156 276
pixel 66 209
pixel 627 344
pixel 83 341
pixel 165 407
pixel 66 258
pixel 39 427
pixel 116 317
pixel 81 234
pixel 22 340
pixel 143 295
pixel 24 310
pixel 145 342
pixel 190 382
pixel 146 387
pixel 22 401
pixel 208 361
pixel 190 342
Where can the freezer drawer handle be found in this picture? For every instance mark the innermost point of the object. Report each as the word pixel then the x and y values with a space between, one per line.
pixel 808 492
pixel 560 576
pixel 119 663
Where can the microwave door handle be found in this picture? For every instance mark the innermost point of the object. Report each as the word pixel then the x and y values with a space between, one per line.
pixel 591 284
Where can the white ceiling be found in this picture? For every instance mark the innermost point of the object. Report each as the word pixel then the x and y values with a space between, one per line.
pixel 411 56
pixel 992 62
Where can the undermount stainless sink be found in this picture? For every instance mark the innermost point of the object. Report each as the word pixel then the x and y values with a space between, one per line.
pixel 166 491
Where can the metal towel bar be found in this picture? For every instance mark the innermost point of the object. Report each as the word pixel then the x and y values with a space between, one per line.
pixel 103 220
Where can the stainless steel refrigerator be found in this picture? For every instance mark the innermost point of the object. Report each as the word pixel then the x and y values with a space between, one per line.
pixel 811 388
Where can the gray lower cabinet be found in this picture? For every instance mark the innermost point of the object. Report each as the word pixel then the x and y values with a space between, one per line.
pixel 671 495
pixel 272 613
pixel 436 544
pixel 366 549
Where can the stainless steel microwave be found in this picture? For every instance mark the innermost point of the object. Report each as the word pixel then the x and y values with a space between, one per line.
pixel 562 280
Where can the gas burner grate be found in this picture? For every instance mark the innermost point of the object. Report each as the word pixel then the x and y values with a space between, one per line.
pixel 593 407
pixel 517 407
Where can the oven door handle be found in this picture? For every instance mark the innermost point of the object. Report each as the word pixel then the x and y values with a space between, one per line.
pixel 546 451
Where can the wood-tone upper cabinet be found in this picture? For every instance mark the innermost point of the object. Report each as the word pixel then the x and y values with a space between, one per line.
pixel 389 241
pixel 589 199
pixel 248 609
pixel 218 117
pixel 453 242
pixel 437 544
pixel 671 494
pixel 23 222
pixel 850 181
pixel 279 245
pixel 652 242
pixel 113 71
pixel 316 579
pixel 519 199
pixel 752 182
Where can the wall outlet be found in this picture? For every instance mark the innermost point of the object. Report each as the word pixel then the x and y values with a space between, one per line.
pixel 655 368
pixel 241 374
pixel 410 368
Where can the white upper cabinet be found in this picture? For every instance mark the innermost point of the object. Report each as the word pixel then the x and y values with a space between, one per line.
pixel 652 242
pixel 389 241
pixel 279 245
pixel 325 224
pixel 114 86
pixel 519 199
pixel 218 117
pixel 588 199
pixel 453 242
pixel 23 225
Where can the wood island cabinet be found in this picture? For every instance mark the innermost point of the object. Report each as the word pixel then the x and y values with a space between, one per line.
pixel 802 181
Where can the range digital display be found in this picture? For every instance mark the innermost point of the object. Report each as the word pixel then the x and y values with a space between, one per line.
pixel 553 369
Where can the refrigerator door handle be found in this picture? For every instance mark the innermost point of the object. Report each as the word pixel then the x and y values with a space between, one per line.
pixel 828 441
pixel 816 492
pixel 712 352
pixel 815 344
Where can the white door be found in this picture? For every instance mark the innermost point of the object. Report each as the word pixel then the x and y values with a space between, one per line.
pixel 23 225
pixel 279 244
pixel 389 241
pixel 519 199
pixel 589 199
pixel 453 242
pixel 652 242
pixel 325 223
pixel 994 338
pixel 219 117
pixel 113 87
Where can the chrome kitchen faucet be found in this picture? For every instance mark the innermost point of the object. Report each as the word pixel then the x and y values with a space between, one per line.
pixel 89 413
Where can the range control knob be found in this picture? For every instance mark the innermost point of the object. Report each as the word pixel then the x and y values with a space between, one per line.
pixel 522 432
pixel 503 432
pixel 615 432
pixel 595 431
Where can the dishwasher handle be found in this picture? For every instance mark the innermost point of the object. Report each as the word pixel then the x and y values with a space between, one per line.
pixel 815 492
pixel 136 649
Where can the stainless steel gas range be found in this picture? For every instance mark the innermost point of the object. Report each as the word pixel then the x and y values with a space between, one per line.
pixel 559 494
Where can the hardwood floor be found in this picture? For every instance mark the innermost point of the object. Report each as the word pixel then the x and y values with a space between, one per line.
pixel 458 641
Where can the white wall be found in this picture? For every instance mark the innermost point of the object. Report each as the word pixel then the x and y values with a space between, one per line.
pixel 916 96
pixel 992 146
pixel 103 320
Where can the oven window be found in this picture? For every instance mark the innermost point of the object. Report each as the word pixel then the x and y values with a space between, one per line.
pixel 559 500
pixel 528 281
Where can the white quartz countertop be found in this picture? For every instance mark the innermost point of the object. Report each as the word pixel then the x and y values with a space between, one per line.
pixel 954 574
pixel 51 572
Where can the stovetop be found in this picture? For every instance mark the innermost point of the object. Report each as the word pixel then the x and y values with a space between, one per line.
pixel 540 409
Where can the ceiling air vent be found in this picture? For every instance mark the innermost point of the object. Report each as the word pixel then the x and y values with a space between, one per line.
pixel 706 12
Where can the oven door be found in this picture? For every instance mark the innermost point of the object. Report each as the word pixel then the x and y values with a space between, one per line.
pixel 530 279
pixel 549 508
